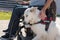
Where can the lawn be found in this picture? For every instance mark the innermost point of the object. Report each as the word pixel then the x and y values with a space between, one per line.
pixel 5 15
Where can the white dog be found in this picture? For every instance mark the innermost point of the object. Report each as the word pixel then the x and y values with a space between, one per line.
pixel 31 16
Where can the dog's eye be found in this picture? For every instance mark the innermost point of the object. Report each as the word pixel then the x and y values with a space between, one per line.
pixel 26 15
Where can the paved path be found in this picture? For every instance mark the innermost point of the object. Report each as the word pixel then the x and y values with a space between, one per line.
pixel 4 24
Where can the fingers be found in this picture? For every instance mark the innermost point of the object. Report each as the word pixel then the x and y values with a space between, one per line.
pixel 42 16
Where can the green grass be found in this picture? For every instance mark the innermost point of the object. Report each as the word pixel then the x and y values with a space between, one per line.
pixel 5 15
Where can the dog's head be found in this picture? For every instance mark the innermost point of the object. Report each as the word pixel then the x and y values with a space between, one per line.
pixel 31 15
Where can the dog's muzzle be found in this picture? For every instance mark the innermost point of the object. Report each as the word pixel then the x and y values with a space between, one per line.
pixel 47 20
pixel 41 22
pixel 27 23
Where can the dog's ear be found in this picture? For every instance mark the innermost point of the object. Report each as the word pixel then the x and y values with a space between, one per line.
pixel 33 9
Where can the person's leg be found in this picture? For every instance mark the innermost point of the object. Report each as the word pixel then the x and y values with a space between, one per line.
pixel 10 20
pixel 14 22
pixel 19 12
pixel 51 12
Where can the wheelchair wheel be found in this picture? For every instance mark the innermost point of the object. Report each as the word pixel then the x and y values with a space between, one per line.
pixel 18 37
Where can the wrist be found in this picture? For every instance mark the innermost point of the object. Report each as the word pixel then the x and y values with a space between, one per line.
pixel 44 9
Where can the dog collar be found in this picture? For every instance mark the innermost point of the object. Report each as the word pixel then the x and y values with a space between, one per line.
pixel 41 22
pixel 47 20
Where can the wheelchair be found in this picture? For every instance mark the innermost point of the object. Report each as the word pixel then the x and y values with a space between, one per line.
pixel 29 33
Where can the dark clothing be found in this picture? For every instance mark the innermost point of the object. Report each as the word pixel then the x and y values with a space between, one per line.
pixel 14 21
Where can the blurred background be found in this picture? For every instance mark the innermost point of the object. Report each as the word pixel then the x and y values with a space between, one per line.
pixel 6 6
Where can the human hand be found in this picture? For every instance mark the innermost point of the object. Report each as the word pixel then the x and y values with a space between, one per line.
pixel 42 14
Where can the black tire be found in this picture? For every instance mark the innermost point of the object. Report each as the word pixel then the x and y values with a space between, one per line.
pixel 18 37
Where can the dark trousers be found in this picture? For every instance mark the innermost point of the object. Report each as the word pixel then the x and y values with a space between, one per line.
pixel 14 21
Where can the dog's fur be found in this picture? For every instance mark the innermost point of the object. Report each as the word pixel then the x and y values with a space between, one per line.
pixel 31 16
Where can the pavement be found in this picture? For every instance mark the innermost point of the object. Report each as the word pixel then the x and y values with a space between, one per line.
pixel 4 25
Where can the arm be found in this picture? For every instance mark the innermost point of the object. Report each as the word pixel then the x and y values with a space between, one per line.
pixel 47 4
pixel 42 14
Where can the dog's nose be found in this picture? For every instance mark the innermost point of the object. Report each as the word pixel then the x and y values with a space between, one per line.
pixel 24 22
